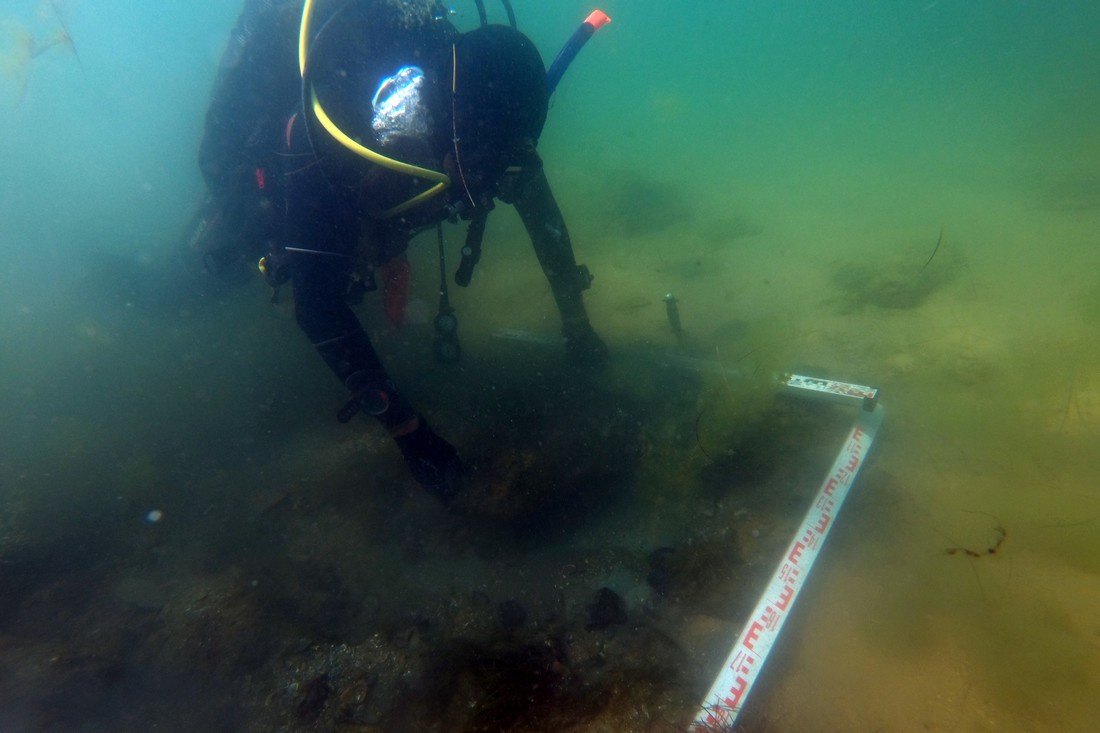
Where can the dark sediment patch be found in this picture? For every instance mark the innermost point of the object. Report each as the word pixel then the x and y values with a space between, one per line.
pixel 898 288
pixel 722 231
pixel 511 614
pixel 557 451
pixel 705 574
pixel 636 204
pixel 750 455
pixel 1078 191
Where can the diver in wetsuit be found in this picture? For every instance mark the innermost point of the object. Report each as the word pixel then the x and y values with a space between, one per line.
pixel 404 123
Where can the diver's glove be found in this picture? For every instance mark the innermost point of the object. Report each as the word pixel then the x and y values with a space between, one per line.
pixel 583 348
pixel 433 461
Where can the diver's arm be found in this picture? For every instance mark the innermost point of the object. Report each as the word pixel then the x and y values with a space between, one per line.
pixel 323 314
pixel 546 227
pixel 535 203
pixel 323 226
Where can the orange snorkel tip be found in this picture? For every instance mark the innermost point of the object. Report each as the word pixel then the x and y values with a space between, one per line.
pixel 597 19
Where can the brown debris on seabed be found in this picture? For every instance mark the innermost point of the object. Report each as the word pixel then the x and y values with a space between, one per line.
pixel 591 579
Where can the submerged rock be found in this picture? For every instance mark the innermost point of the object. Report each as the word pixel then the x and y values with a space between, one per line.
pixel 606 609
pixel 511 615
pixel 312 699
pixel 703 574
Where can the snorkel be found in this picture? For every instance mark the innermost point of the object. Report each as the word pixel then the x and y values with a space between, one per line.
pixel 596 19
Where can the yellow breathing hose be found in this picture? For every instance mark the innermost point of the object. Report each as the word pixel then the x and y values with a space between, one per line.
pixel 303 37
pixel 442 179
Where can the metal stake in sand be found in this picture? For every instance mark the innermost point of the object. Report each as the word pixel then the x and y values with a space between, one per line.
pixel 722 704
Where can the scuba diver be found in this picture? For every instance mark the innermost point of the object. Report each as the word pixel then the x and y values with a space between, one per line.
pixel 353 126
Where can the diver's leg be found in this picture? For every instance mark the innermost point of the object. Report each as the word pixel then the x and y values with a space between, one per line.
pixel 546 226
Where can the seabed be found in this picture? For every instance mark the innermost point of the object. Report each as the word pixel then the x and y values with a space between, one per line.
pixel 614 531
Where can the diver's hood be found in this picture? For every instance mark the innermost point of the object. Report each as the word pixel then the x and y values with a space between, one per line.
pixel 500 100
pixel 500 87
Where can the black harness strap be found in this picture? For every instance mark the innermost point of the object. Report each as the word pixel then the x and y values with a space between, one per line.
pixel 471 252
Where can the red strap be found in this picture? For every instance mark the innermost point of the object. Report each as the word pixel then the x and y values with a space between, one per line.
pixel 395 288
pixel 289 127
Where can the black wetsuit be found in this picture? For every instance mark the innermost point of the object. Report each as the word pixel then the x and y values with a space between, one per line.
pixel 332 226
pixel 330 199
pixel 256 89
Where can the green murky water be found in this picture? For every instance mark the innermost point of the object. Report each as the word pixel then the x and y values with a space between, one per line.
pixel 787 172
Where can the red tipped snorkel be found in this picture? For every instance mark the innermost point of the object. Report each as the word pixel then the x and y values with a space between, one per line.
pixel 596 19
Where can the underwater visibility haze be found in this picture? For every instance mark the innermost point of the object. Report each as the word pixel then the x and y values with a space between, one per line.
pixel 901 194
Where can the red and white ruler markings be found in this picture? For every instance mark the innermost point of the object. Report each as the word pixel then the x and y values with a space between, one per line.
pixel 723 702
